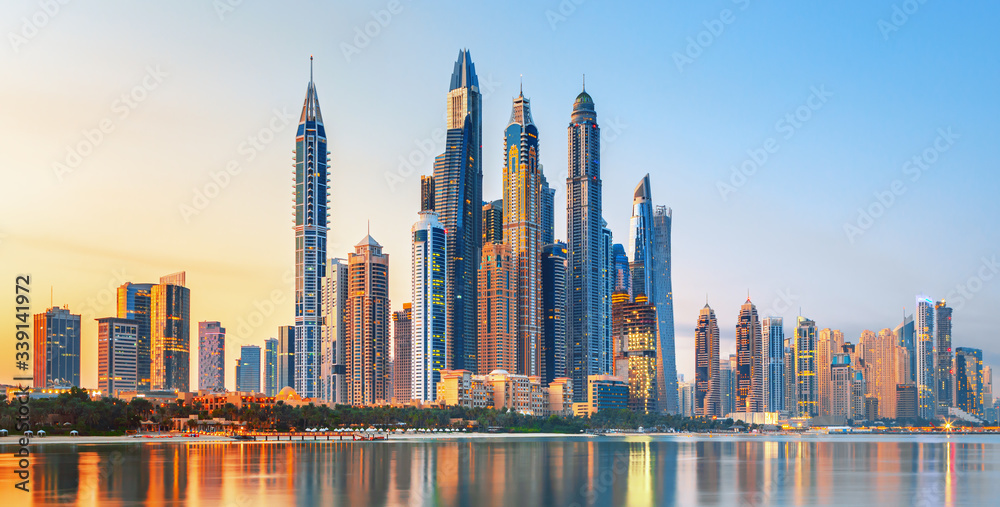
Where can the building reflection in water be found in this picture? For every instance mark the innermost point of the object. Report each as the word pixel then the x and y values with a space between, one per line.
pixel 521 471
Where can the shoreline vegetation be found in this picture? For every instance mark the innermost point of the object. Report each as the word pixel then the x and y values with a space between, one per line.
pixel 115 420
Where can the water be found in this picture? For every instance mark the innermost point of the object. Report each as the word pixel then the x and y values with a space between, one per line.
pixel 520 471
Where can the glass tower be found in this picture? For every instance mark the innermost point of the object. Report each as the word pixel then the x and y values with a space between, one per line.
pixel 429 327
pixel 271 367
pixel 553 312
pixel 944 379
pixel 458 200
pixel 134 303
pixel 924 343
pixel 773 353
pixel 57 348
pixel 311 200
pixel 211 356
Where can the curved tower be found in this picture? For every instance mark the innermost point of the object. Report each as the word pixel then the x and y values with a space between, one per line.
pixel 311 199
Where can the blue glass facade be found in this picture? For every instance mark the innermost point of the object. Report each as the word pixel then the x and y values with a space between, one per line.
pixel 311 199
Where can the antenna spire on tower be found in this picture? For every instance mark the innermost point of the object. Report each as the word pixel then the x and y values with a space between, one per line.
pixel 310 68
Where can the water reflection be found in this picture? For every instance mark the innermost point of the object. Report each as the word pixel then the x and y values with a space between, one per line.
pixel 520 471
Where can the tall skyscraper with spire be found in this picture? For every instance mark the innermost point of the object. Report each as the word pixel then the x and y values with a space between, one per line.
pixel 311 199
pixel 748 360
pixel 707 397
pixel 584 243
pixel 458 200
pixel 522 183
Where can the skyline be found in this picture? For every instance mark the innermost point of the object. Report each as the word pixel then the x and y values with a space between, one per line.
pixel 251 284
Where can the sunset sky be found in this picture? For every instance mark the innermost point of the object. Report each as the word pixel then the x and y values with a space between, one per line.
pixel 118 121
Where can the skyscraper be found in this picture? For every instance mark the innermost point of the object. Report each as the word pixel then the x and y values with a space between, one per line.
pixel 134 303
pixel 826 346
pixel 773 353
pixel 805 368
pixel 211 356
pixel 402 353
pixel 286 357
pixel 367 347
pixel 639 326
pixel 57 348
pixel 427 193
pixel 749 378
pixel 905 337
pixel 622 274
pixel 430 330
pixel 311 200
pixel 493 222
pixel 841 386
pixel 116 355
pixel 248 380
pixel 664 301
pixel 584 224
pixel 333 299
pixel 708 395
pixel 554 349
pixel 726 384
pixel 170 334
pixel 522 231
pixel 619 340
pixel 458 198
pixel 924 344
pixel 969 380
pixel 548 221
pixel 271 367
pixel 944 379
pixel 879 354
pixel 497 309
pixel 641 239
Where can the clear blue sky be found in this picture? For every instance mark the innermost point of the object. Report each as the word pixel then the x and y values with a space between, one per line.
pixel 888 86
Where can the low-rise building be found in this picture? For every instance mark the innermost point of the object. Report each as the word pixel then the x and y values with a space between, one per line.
pixel 603 392
pixel 503 390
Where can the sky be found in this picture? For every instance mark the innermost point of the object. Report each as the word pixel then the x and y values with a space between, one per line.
pixel 833 159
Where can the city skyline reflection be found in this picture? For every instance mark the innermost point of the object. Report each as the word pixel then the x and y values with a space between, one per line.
pixel 575 470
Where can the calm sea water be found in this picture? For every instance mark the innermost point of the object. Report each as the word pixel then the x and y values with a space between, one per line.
pixel 672 470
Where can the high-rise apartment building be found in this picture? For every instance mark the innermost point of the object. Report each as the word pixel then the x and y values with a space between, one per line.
pixel 554 349
pixel 707 396
pixel 116 355
pixel 726 386
pixel 271 367
pixel 427 193
pixel 367 345
pixel 905 334
pixel 248 379
pixel 211 356
pixel 773 371
pixel 969 380
pixel 584 244
pixel 924 344
pixel 621 273
pixel 639 327
pixel 458 201
pixel 134 303
pixel 548 221
pixel 429 326
pixel 311 201
pixel 663 299
pixel 749 377
pixel 522 231
pixel 333 331
pixel 402 353
pixel 497 309
pixel 879 354
pixel 944 375
pixel 805 368
pixel 170 334
pixel 57 348
pixel 286 357
pixel 493 222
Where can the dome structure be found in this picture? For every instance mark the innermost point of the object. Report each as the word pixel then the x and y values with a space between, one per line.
pixel 287 394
